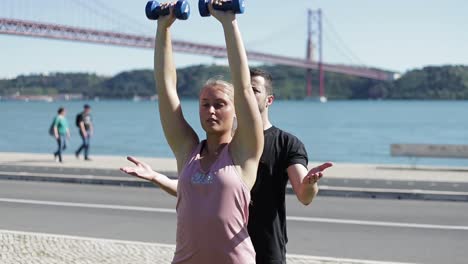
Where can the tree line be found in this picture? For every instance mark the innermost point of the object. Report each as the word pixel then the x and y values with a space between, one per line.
pixel 442 82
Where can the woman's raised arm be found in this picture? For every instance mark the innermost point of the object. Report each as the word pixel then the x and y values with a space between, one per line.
pixel 179 134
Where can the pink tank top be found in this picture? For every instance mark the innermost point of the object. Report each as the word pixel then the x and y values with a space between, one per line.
pixel 212 213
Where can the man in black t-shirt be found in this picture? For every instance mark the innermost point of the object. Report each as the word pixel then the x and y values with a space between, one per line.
pixel 284 158
pixel 85 127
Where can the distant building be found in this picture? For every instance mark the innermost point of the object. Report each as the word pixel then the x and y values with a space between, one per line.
pixel 43 98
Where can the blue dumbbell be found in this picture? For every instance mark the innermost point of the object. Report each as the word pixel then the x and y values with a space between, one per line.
pixel 236 6
pixel 154 11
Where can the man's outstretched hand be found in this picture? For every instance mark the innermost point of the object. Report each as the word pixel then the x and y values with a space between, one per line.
pixel 315 174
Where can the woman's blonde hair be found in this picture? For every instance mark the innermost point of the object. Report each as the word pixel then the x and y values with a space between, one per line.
pixel 222 85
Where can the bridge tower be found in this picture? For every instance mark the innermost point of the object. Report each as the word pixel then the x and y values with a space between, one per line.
pixel 314 18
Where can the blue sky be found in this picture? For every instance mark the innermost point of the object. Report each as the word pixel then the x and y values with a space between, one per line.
pixel 397 35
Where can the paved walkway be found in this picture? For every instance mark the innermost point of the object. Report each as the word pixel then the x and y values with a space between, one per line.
pixel 36 248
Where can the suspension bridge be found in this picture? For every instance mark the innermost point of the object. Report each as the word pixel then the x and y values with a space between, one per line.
pixel 12 22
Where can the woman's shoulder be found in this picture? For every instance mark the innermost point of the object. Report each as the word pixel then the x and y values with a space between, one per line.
pixel 191 154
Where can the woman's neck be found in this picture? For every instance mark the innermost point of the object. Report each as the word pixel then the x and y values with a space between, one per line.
pixel 214 144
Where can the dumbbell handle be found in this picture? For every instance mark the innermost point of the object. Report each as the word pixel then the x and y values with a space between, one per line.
pixel 164 11
pixel 228 5
pixel 237 6
pixel 154 10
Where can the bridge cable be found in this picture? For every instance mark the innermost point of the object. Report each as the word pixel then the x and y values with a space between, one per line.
pixel 342 43
pixel 270 37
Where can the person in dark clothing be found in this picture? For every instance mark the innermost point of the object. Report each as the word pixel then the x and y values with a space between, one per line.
pixel 86 129
pixel 284 158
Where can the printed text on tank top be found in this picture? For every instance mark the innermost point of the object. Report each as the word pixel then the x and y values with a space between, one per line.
pixel 206 176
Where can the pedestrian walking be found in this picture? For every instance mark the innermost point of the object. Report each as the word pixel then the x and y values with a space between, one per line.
pixel 86 129
pixel 61 133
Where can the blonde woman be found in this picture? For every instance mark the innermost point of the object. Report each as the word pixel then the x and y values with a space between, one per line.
pixel 216 174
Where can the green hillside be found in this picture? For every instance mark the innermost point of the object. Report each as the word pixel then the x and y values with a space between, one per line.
pixel 445 82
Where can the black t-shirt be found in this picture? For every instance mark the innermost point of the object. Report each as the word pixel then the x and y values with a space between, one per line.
pixel 267 212
pixel 85 118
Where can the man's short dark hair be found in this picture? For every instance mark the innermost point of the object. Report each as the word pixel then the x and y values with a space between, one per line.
pixel 254 72
pixel 60 110
pixel 86 106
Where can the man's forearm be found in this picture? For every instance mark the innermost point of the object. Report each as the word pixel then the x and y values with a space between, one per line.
pixel 82 128
pixel 307 193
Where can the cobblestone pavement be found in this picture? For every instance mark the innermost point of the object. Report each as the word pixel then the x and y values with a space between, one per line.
pixel 36 248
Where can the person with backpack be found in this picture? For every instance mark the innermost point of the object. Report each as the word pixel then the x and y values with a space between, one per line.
pixel 61 132
pixel 85 127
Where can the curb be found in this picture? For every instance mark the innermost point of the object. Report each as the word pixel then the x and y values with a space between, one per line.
pixel 325 190
pixel 381 193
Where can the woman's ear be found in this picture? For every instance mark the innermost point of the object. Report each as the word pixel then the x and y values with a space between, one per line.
pixel 234 125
